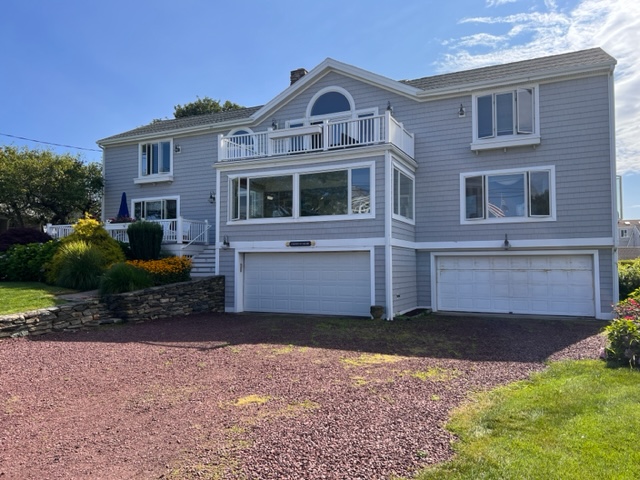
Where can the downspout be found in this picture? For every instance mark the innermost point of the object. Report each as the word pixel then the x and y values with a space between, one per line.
pixel 104 183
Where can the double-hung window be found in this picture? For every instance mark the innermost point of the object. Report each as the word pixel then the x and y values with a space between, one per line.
pixel 508 196
pixel 304 195
pixel 506 118
pixel 155 162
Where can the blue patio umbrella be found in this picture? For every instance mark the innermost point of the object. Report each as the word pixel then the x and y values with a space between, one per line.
pixel 123 212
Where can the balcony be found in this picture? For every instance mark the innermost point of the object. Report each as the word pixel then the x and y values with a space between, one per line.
pixel 327 135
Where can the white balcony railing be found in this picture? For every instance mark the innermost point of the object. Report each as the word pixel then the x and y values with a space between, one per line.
pixel 177 230
pixel 326 135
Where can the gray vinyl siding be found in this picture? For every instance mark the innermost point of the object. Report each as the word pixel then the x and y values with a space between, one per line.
pixel 193 177
pixel 423 275
pixel 381 278
pixel 227 269
pixel 403 230
pixel 574 126
pixel 606 280
pixel 405 295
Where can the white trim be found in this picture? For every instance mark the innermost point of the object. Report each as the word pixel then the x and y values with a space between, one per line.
pixel 595 274
pixel 235 130
pixel 506 141
pixel 498 244
pixel 295 174
pixel 500 220
pixel 157 178
pixel 322 245
pixel 388 235
pixel 217 224
pixel 614 209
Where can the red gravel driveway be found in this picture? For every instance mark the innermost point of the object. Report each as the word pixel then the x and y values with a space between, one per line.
pixel 258 396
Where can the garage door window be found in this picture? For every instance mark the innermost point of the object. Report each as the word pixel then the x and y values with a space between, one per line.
pixel 508 196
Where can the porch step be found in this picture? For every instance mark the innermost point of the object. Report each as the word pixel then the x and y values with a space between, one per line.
pixel 204 263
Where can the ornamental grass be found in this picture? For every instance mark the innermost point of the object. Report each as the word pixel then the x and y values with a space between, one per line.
pixel 166 270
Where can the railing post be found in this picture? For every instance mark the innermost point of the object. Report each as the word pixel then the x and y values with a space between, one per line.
pixel 206 232
pixel 269 142
pixel 179 232
pixel 387 123
pixel 325 135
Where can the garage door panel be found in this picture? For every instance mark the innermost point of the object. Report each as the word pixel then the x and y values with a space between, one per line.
pixel 543 284
pixel 323 282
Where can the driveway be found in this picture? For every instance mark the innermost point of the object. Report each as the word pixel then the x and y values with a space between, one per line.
pixel 259 396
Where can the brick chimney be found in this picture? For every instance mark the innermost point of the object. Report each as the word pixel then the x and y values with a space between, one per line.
pixel 297 74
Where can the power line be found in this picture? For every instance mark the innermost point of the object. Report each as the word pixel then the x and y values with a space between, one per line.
pixel 50 143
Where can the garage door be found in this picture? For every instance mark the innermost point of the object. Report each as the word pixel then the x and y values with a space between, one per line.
pixel 529 284
pixel 334 283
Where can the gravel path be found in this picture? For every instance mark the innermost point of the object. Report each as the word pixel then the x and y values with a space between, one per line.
pixel 256 396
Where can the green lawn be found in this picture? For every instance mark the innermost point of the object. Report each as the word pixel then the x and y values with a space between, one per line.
pixel 576 420
pixel 18 297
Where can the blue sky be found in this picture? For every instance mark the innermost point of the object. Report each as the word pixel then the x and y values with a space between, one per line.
pixel 76 71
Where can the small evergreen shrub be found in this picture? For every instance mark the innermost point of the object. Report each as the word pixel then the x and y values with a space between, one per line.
pixel 166 270
pixel 123 277
pixel 628 277
pixel 145 240
pixel 26 263
pixel 80 265
pixel 22 236
pixel 623 334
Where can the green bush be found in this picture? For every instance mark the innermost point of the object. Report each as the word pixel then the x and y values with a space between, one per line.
pixel 145 240
pixel 628 277
pixel 623 334
pixel 122 277
pixel 26 263
pixel 22 236
pixel 79 265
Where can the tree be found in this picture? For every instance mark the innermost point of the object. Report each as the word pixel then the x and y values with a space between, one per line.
pixel 40 186
pixel 203 105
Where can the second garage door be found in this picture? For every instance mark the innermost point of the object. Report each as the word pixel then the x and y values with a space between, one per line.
pixel 528 284
pixel 333 283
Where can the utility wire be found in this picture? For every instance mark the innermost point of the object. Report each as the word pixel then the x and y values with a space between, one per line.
pixel 50 143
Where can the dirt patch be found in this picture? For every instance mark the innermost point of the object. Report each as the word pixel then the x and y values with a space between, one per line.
pixel 256 396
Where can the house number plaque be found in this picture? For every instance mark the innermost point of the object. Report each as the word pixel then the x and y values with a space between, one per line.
pixel 302 243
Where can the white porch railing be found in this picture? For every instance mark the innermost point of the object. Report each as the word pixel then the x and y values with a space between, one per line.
pixel 326 135
pixel 178 230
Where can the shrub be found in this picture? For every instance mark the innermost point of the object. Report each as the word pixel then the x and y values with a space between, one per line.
pixel 628 277
pixel 92 232
pixel 26 263
pixel 166 270
pixel 79 265
pixel 623 334
pixel 145 240
pixel 123 277
pixel 22 236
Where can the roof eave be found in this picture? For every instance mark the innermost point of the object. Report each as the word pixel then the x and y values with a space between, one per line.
pixel 520 78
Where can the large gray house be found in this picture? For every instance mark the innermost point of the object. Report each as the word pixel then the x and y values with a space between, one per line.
pixel 488 190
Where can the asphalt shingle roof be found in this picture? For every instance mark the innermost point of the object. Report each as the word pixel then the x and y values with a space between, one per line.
pixel 558 63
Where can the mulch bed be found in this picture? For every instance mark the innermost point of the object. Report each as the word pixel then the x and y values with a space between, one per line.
pixel 258 396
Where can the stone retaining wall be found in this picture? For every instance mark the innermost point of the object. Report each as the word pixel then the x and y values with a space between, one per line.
pixel 178 299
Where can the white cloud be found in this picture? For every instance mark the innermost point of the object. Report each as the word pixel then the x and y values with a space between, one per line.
pixel 613 25
pixel 497 3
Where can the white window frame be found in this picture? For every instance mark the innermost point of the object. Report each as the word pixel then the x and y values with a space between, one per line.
pixel 624 233
pixel 522 219
pixel 154 177
pixel 504 141
pixel 156 199
pixel 296 216
pixel 411 176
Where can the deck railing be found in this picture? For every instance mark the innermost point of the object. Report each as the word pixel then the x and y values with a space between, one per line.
pixel 321 136
pixel 177 230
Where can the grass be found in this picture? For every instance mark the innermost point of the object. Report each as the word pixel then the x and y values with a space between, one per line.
pixel 16 297
pixel 575 420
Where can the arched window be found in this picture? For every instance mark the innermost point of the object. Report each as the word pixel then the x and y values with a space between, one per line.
pixel 241 144
pixel 329 101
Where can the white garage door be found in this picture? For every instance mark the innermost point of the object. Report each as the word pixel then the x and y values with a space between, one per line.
pixel 334 283
pixel 529 284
